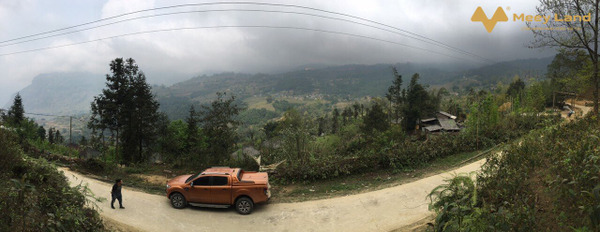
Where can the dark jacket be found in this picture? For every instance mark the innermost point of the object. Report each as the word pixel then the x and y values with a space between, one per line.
pixel 116 190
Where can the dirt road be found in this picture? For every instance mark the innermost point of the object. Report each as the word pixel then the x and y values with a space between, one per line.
pixel 381 210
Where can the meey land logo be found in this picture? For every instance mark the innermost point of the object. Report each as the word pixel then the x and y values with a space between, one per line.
pixel 489 24
pixel 500 16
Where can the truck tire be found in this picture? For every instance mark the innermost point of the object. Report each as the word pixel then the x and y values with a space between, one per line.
pixel 178 201
pixel 244 205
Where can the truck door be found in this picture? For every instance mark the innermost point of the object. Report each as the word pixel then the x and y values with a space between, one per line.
pixel 220 190
pixel 200 191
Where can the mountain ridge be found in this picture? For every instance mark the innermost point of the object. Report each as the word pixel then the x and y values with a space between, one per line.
pixel 71 92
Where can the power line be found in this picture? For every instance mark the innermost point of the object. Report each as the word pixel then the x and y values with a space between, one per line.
pixel 232 26
pixel 432 41
pixel 220 10
pixel 62 116
pixel 42 114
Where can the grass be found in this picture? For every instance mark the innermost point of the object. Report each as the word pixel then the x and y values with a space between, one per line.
pixel 46 146
pixel 259 103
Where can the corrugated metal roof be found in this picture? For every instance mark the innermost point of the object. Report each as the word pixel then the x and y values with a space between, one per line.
pixel 447 115
pixel 428 119
pixel 449 125
pixel 433 128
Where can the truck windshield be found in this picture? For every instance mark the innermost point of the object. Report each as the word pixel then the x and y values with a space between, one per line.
pixel 192 177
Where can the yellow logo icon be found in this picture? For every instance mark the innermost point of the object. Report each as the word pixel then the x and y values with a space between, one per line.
pixel 489 24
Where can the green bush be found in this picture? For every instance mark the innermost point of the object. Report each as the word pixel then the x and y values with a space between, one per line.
pixel 345 154
pixel 34 196
pixel 559 164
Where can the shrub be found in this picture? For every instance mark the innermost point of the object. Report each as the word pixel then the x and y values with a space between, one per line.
pixel 546 181
pixel 34 196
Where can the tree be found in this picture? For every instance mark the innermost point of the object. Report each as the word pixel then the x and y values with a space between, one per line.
pixel 535 100
pixel 219 124
pixel 172 141
pixel 295 136
pixel 16 113
pixel 356 108
pixel 51 135
pixel 483 117
pixel 581 35
pixel 321 126
pixel 346 115
pixel 108 107
pixel 375 120
pixel 140 116
pixel 83 141
pixel 418 103
pixel 191 132
pixel 41 132
pixel 515 89
pixel 396 95
pixel 58 137
pixel 270 129
pixel 569 72
pixel 127 109
pixel 334 121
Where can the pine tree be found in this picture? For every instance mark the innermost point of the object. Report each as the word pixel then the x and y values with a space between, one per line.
pixel 192 128
pixel 140 116
pixel 334 121
pixel 127 109
pixel 321 126
pixel 417 100
pixel 16 113
pixel 375 120
pixel 83 141
pixel 41 133
pixel 356 108
pixel 51 135
pixel 58 138
pixel 395 95
pixel 219 125
pixel 346 114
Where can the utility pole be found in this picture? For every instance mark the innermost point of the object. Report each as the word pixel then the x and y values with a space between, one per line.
pixel 70 130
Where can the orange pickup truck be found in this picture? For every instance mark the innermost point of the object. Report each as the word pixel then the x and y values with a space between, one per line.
pixel 220 187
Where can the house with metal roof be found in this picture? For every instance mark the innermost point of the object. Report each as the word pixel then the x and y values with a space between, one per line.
pixel 442 122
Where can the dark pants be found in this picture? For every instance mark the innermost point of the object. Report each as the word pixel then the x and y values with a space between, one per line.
pixel 116 197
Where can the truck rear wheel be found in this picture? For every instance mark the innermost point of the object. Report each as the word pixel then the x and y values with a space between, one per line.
pixel 244 205
pixel 178 201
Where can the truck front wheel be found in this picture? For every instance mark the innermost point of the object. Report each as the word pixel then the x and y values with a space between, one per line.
pixel 178 201
pixel 244 205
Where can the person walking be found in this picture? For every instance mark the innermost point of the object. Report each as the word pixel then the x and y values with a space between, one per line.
pixel 116 194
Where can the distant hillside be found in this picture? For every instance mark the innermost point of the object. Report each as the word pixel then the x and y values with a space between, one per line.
pixel 71 93
pixel 346 82
pixel 61 93
pixel 504 72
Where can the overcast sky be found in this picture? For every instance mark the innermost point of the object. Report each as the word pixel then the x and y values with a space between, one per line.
pixel 167 57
